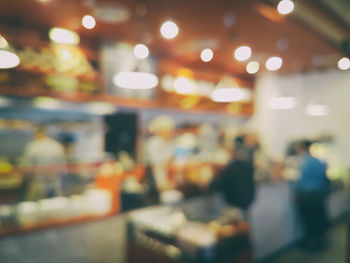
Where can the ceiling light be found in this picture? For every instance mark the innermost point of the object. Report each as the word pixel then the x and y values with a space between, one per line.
pixel 228 90
pixel 282 103
pixel 253 67
pixel 141 51
pixel 243 53
pixel 184 85
pixel 274 63
pixel 207 55
pixel 8 59
pixel 88 22
pixel 317 110
pixel 344 64
pixel 169 30
pixel 135 80
pixel 285 7
pixel 64 36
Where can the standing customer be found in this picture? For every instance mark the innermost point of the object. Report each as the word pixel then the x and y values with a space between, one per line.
pixel 312 189
pixel 236 181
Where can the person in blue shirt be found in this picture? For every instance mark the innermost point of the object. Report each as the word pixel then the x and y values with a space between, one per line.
pixel 311 190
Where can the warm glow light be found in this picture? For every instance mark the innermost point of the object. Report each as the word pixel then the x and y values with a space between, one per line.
pixel 64 36
pixel 285 7
pixel 169 30
pixel 207 55
pixel 88 22
pixel 230 94
pixel 274 63
pixel 282 103
pixel 243 53
pixel 141 51
pixel 253 67
pixel 101 108
pixel 317 110
pixel 167 83
pixel 135 80
pixel 8 59
pixel 184 85
pixel 344 64
pixel 3 43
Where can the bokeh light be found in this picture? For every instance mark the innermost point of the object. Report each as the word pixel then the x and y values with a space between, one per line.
pixel 207 55
pixel 169 30
pixel 243 53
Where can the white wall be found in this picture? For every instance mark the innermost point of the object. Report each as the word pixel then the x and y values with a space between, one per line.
pixel 278 127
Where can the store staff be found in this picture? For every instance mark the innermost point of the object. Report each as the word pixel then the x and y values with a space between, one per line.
pixel 312 189
pixel 46 158
pixel 159 149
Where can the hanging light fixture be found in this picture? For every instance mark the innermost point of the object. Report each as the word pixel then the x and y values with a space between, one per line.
pixel 139 77
pixel 8 58
pixel 135 80
pixel 228 90
pixel 64 36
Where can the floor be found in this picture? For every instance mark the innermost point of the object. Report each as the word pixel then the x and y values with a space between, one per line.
pixel 334 254
pixel 104 243
pixel 97 242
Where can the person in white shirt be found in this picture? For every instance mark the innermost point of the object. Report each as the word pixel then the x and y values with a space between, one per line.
pixel 159 149
pixel 45 159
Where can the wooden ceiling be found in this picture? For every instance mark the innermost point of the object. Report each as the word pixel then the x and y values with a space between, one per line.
pixel 201 24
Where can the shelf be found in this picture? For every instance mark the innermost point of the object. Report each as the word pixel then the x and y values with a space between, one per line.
pixel 23 91
pixel 53 224
pixel 97 78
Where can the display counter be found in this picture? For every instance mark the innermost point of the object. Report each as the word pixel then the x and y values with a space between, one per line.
pixel 198 230
pixel 60 195
pixel 274 220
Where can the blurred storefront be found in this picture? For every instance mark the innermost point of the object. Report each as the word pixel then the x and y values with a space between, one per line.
pixel 144 113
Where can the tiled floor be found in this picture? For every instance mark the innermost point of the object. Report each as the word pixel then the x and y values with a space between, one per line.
pixel 103 242
pixel 335 253
pixel 98 242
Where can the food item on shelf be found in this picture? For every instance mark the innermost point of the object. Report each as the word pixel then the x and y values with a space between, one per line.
pixel 54 208
pixel 79 206
pixel 131 185
pixel 126 161
pixel 62 83
pixel 99 201
pixel 28 213
pixel 7 216
pixel 9 178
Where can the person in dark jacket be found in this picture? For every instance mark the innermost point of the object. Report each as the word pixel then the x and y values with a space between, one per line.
pixel 236 181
